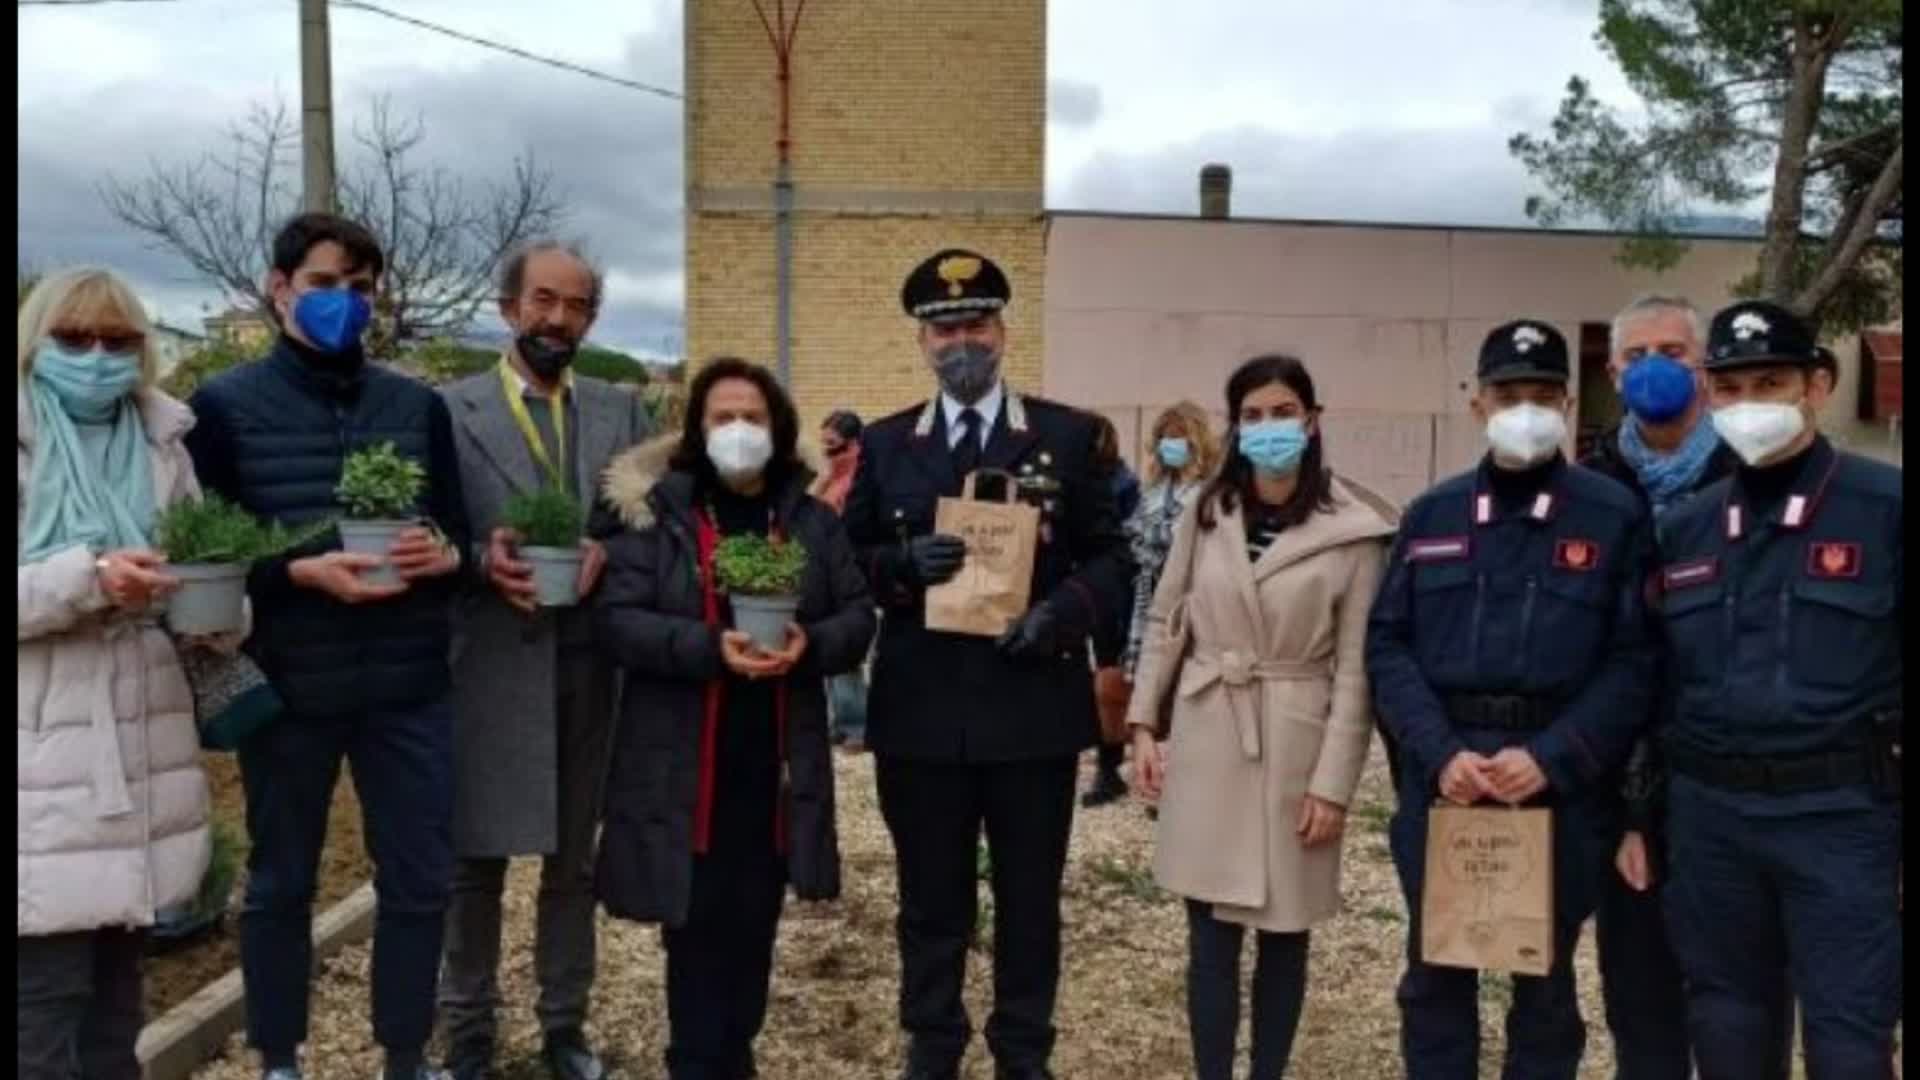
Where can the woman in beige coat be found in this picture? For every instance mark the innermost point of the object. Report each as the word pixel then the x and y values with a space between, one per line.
pixel 1253 646
pixel 112 804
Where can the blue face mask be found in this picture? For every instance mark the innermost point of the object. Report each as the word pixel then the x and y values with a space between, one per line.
pixel 89 385
pixel 1175 453
pixel 1657 388
pixel 1274 446
pixel 332 319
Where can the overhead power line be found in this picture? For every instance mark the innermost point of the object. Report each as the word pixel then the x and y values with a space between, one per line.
pixel 511 50
pixel 461 35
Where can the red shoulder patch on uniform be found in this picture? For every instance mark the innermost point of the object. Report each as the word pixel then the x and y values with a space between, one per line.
pixel 1571 554
pixel 1439 549
pixel 1833 559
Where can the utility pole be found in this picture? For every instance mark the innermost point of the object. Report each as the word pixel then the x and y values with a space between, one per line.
pixel 316 106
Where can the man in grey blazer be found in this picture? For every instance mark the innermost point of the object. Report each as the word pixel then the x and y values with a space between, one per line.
pixel 533 703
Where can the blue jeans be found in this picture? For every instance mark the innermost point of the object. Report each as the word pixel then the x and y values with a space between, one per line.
pixel 849 694
pixel 402 762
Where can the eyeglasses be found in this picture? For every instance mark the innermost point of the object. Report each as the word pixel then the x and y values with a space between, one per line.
pixel 113 341
pixel 1671 351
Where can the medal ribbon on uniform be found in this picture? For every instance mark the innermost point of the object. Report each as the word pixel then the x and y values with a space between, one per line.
pixel 538 446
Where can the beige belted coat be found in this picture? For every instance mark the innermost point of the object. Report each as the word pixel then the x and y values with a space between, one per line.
pixel 1263 666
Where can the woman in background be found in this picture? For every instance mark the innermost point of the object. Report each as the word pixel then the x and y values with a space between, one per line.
pixel 840 443
pixel 1109 640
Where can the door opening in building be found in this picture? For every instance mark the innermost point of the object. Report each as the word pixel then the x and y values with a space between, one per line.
pixel 1599 403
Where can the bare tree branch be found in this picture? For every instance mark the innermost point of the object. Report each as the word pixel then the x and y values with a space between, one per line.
pixel 442 243
pixel 1862 222
pixel 1800 118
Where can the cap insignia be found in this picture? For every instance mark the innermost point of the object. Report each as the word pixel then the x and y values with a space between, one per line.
pixel 1526 337
pixel 1749 323
pixel 956 271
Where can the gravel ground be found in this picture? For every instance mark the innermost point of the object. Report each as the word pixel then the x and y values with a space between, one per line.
pixel 1121 1011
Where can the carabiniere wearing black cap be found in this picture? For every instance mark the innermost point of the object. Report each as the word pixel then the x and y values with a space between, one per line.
pixel 1780 592
pixel 980 731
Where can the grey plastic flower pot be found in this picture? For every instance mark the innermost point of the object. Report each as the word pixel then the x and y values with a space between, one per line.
pixel 556 574
pixel 765 618
pixel 373 538
pixel 211 598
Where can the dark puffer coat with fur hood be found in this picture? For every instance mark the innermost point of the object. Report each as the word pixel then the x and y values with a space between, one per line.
pixel 648 617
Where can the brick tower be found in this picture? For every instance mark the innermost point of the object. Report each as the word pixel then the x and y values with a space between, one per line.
pixel 912 125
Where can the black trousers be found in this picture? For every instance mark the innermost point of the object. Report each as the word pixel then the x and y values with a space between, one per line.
pixel 79 1008
pixel 1213 995
pixel 935 813
pixel 720 964
pixel 402 761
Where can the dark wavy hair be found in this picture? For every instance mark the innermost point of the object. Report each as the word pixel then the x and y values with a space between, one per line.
pixel 844 423
pixel 1233 484
pixel 691 455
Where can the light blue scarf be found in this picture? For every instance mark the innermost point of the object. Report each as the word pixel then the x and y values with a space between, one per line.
pixel 1668 477
pixel 72 498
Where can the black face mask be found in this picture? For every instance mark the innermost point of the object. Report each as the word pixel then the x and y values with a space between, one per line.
pixel 546 355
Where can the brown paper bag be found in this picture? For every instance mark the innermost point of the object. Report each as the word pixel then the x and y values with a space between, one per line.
pixel 1487 901
pixel 991 590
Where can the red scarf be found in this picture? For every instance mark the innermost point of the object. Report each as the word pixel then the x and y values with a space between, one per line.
pixel 708 540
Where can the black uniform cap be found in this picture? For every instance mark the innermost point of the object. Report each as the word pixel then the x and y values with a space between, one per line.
pixel 1755 332
pixel 955 284
pixel 1523 350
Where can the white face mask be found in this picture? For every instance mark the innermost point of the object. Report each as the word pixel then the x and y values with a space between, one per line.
pixel 1527 434
pixel 1757 430
pixel 739 450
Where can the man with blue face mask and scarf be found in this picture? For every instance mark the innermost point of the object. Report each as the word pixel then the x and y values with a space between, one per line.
pixel 363 668
pixel 1664 450
pixel 971 732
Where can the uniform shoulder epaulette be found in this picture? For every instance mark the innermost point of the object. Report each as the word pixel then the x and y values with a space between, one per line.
pixel 905 418
pixel 1875 479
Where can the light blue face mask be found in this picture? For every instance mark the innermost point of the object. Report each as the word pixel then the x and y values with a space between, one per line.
pixel 89 385
pixel 1175 453
pixel 1274 446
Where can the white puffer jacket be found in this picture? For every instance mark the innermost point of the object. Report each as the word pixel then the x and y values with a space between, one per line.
pixel 113 803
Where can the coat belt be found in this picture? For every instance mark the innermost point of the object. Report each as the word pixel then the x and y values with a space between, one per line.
pixel 1238 674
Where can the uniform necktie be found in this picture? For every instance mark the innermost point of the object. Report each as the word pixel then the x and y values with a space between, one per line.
pixel 966 454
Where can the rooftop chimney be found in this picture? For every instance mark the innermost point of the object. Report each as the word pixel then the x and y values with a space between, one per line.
pixel 1216 191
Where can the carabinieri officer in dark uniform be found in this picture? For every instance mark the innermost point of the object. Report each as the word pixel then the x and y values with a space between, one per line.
pixel 1780 607
pixel 1509 657
pixel 969 731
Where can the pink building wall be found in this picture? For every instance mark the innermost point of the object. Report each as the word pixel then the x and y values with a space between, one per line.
pixel 1143 311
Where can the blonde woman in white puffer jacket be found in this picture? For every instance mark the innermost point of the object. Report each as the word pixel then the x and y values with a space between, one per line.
pixel 113 805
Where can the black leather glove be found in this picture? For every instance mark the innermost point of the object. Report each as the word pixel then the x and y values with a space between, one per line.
pixel 934 558
pixel 1035 636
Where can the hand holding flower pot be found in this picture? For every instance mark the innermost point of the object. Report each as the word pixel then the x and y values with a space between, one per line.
pixel 546 527
pixel 762 580
pixel 380 490
pixel 210 544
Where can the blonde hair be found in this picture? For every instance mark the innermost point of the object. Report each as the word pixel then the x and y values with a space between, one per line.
pixel 1192 420
pixel 82 297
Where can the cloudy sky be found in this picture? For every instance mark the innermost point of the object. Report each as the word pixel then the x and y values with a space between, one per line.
pixel 1323 113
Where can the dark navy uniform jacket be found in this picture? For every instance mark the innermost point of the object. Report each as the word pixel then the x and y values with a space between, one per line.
pixel 1542 600
pixel 1781 611
pixel 951 697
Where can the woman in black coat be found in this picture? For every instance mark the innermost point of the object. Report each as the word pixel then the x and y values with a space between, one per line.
pixel 721 787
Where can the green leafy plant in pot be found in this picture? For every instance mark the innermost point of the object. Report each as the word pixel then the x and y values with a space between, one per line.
pixel 380 490
pixel 550 523
pixel 761 577
pixel 210 544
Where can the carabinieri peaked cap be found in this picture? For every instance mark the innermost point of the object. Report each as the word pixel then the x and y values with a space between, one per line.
pixel 1524 350
pixel 955 284
pixel 1756 332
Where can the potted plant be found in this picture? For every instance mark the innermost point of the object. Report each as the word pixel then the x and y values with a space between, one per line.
pixel 380 490
pixel 550 523
pixel 761 578
pixel 210 544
